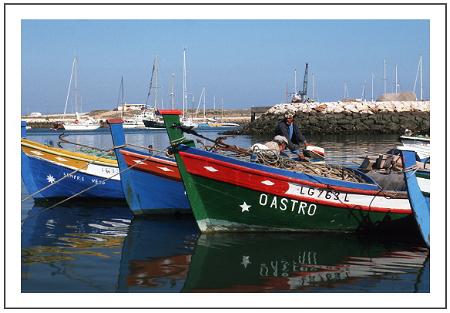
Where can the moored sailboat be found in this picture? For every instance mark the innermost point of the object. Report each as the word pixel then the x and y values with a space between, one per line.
pixel 81 122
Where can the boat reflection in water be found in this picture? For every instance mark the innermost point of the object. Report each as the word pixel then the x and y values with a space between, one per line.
pixel 157 253
pixel 73 248
pixel 78 248
pixel 276 262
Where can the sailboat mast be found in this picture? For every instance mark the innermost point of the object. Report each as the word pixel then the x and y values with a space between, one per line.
pixel 384 76
pixel 204 103
pixel 156 82
pixel 421 86
pixel 70 84
pixel 184 82
pixel 295 81
pixel 172 93
pixel 372 89
pixel 120 101
pixel 76 91
pixel 396 79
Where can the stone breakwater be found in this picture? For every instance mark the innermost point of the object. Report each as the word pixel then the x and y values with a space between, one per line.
pixel 387 117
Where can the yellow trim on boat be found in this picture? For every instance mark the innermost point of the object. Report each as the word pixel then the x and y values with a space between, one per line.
pixel 75 157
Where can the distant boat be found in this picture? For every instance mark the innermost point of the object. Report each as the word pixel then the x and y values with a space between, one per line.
pixel 158 123
pixel 44 167
pixel 419 144
pixel 81 122
pixel 138 120
pixel 135 121
pixel 210 125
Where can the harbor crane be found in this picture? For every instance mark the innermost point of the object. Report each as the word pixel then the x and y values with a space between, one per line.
pixel 300 96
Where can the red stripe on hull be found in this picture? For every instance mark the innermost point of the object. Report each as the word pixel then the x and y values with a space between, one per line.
pixel 245 170
pixel 155 166
pixel 272 183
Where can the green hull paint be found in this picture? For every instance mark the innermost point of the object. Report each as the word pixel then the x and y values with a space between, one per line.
pixel 217 207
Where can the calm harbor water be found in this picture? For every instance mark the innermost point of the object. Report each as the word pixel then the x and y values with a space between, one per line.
pixel 100 247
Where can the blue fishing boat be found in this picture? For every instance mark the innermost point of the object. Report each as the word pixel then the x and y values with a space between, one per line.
pixel 50 172
pixel 151 183
pixel 418 185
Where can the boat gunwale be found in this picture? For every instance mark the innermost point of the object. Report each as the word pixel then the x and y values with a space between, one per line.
pixel 242 168
pixel 70 154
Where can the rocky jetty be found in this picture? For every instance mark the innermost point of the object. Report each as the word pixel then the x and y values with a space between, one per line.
pixel 348 117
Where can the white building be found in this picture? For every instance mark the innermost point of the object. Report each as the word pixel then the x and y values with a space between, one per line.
pixel 130 107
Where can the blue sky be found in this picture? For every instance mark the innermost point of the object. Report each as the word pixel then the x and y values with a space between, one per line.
pixel 245 62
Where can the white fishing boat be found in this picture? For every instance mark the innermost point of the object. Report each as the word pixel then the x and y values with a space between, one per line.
pixel 419 144
pixel 81 124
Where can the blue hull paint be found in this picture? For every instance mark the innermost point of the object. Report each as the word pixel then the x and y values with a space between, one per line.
pixel 35 174
pixel 145 192
pixel 420 203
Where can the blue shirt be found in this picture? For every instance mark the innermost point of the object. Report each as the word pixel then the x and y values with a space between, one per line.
pixel 291 131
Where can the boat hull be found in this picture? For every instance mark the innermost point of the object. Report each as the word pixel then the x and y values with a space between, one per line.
pixel 227 194
pixel 81 127
pixel 153 124
pixel 41 168
pixel 417 144
pixel 223 206
pixel 152 184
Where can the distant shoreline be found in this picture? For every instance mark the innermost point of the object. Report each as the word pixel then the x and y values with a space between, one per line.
pixel 380 117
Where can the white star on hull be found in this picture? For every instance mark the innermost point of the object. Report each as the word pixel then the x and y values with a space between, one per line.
pixel 245 207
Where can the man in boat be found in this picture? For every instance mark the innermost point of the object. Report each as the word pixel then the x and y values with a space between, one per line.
pixel 288 129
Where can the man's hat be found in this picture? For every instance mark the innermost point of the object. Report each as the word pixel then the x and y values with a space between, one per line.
pixel 288 115
pixel 280 139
